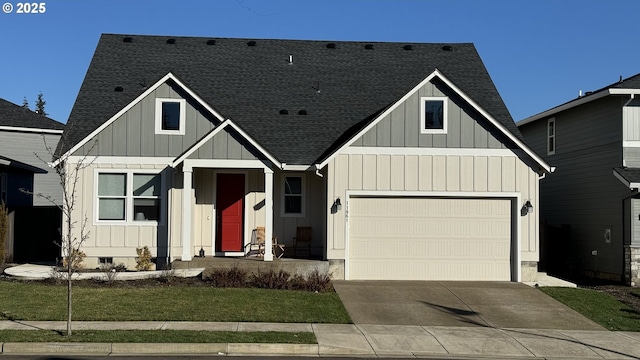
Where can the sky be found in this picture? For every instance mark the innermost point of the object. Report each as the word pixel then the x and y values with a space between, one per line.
pixel 539 53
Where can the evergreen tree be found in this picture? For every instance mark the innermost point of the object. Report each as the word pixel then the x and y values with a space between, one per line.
pixel 40 103
pixel 25 103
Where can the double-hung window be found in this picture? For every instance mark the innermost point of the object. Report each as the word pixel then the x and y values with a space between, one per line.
pixel 293 196
pixel 129 196
pixel 433 115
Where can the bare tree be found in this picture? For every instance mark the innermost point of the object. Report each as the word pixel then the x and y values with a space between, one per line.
pixel 68 175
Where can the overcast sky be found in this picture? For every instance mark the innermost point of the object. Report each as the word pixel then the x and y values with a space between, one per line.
pixel 540 53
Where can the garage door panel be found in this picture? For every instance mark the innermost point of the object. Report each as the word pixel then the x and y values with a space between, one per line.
pixel 429 238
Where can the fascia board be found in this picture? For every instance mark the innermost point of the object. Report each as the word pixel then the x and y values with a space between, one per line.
pixel 146 93
pixel 628 184
pixel 567 106
pixel 31 130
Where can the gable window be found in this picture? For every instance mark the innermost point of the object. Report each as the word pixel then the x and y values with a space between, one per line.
pixel 129 196
pixel 293 196
pixel 551 136
pixel 170 116
pixel 433 115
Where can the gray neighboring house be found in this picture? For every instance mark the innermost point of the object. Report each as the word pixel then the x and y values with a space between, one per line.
pixel 401 157
pixel 590 206
pixel 34 222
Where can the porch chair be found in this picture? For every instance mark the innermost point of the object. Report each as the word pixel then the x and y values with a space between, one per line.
pixel 257 242
pixel 302 240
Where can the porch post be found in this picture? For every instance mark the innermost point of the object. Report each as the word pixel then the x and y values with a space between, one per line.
pixel 268 202
pixel 186 213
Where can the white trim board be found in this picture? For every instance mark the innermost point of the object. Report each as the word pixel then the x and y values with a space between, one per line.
pixel 361 150
pixel 31 130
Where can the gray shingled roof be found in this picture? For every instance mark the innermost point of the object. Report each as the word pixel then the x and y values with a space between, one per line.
pixel 251 84
pixel 631 175
pixel 16 116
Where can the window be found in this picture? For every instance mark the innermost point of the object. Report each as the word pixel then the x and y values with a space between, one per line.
pixel 293 201
pixel 170 116
pixel 551 136
pixel 129 197
pixel 433 115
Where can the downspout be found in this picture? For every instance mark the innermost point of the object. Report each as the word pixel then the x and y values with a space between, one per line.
pixel 318 171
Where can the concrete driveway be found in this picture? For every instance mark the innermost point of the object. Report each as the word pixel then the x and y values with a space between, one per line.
pixel 472 304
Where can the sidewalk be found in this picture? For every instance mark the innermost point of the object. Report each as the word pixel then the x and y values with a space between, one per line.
pixel 353 340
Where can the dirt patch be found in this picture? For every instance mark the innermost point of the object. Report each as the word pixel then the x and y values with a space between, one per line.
pixel 622 293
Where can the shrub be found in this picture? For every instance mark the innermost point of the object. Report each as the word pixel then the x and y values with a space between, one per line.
pixel 4 227
pixel 270 279
pixel 233 277
pixel 314 281
pixel 111 271
pixel 77 257
pixel 144 261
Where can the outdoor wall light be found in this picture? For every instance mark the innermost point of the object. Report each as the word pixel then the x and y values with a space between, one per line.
pixel 528 207
pixel 337 204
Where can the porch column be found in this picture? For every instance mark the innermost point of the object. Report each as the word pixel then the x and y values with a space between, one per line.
pixel 268 203
pixel 186 213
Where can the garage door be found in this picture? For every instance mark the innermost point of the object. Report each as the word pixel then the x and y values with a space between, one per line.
pixel 413 238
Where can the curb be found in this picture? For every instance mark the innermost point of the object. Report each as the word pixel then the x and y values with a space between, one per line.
pixel 29 348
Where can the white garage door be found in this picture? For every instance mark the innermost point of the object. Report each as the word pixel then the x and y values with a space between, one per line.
pixel 429 239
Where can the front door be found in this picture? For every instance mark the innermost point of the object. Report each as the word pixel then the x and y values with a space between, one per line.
pixel 230 210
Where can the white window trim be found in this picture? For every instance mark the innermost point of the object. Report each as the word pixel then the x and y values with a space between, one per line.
pixel 129 216
pixel 551 137
pixel 183 114
pixel 445 111
pixel 303 195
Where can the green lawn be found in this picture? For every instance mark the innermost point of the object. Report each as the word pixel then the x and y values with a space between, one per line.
pixel 600 307
pixel 159 336
pixel 37 301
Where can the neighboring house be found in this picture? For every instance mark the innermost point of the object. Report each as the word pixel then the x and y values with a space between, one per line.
pixel 591 205
pixel 402 158
pixel 34 221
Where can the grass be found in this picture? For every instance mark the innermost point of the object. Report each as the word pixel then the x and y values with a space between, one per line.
pixel 158 336
pixel 37 301
pixel 600 307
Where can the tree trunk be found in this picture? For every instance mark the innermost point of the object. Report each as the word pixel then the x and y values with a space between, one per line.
pixel 69 272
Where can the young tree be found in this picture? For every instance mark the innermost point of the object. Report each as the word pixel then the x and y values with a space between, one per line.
pixel 40 103
pixel 69 174
pixel 25 103
pixel 4 224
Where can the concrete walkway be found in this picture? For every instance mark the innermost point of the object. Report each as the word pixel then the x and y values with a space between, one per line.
pixel 354 340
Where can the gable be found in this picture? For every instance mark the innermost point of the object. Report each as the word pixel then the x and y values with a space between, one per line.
pixel 226 144
pixel 134 133
pixel 402 127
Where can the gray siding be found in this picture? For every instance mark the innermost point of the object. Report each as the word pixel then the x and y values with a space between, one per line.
pixel 23 147
pixel 583 192
pixel 401 128
pixel 224 145
pixel 133 133
pixel 631 133
pixel 635 223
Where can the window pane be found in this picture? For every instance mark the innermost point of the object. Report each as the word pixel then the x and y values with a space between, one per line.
pixel 111 209
pixel 146 209
pixel 552 129
pixel 293 204
pixel 146 185
pixel 112 184
pixel 293 185
pixel 434 114
pixel 170 116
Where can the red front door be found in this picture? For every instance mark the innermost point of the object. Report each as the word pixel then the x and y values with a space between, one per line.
pixel 229 210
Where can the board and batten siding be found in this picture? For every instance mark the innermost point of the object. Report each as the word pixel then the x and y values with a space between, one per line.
pixel 583 192
pixel 133 133
pixel 30 148
pixel 224 145
pixel 401 128
pixel 431 173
